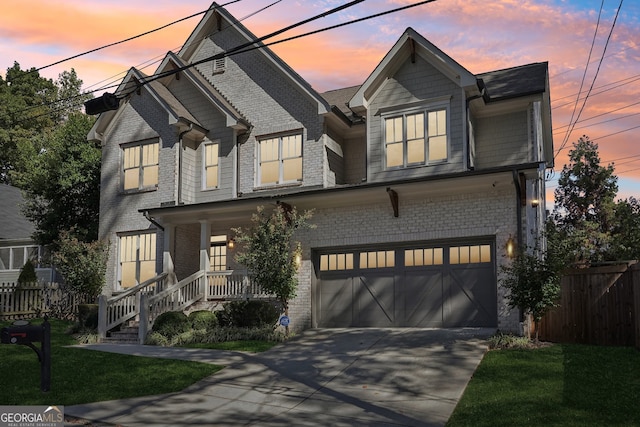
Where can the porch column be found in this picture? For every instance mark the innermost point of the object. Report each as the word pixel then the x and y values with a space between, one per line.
pixel 205 246
pixel 168 250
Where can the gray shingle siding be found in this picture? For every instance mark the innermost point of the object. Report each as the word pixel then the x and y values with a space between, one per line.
pixel 502 140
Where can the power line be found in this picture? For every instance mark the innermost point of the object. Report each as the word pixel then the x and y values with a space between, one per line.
pixel 130 38
pixel 236 50
pixel 569 131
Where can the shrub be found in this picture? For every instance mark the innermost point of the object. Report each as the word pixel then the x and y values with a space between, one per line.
pixel 171 323
pixel 88 316
pixel 203 319
pixel 155 338
pixel 27 273
pixel 249 314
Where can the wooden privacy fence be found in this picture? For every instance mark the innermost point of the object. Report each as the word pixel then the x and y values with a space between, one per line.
pixel 598 305
pixel 33 300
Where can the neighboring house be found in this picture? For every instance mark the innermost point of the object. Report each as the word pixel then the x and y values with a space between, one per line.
pixel 418 178
pixel 16 244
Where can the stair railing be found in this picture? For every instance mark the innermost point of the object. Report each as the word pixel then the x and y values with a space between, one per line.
pixel 123 307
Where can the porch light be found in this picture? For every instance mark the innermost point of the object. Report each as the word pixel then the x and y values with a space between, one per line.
pixel 231 243
pixel 535 203
pixel 298 260
pixel 510 247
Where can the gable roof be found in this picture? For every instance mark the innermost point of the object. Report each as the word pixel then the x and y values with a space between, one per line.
pixel 212 21
pixel 411 43
pixel 515 81
pixel 340 98
pixel 13 224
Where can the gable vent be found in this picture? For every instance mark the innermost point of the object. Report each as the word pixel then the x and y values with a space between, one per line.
pixel 219 65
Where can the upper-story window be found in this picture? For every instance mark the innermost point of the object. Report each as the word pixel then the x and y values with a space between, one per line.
pixel 211 161
pixel 416 138
pixel 280 159
pixel 140 165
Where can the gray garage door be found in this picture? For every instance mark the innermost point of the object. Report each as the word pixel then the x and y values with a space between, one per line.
pixel 423 285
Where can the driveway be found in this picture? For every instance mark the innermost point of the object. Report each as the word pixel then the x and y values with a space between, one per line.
pixel 324 377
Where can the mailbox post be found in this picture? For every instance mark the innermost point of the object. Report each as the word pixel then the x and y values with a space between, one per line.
pixel 27 335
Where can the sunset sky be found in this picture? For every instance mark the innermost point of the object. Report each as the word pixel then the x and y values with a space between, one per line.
pixel 480 35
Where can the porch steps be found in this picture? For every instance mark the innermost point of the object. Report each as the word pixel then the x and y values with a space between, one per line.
pixel 126 335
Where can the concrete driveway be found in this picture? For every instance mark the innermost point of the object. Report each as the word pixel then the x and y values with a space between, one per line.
pixel 324 377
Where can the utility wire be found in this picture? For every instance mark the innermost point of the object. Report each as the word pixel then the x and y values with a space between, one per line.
pixel 130 38
pixel 584 75
pixel 235 51
pixel 593 81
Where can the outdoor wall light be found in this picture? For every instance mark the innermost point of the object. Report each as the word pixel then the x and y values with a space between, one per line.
pixel 510 247
pixel 535 203
pixel 231 243
pixel 298 260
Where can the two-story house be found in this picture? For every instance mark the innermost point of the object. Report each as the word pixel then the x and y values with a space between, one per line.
pixel 420 178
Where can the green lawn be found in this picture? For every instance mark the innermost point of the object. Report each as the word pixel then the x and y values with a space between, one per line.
pixel 82 376
pixel 559 385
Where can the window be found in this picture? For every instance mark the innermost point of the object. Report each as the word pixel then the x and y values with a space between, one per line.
pixel 422 257
pixel 470 254
pixel 218 253
pixel 280 160
pixel 140 166
pixel 412 140
pixel 14 258
pixel 210 163
pixel 137 259
pixel 377 259
pixel 336 262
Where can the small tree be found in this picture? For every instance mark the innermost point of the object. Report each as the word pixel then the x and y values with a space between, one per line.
pixel 83 265
pixel 267 249
pixel 533 280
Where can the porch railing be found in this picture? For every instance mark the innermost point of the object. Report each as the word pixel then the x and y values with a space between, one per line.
pixel 150 299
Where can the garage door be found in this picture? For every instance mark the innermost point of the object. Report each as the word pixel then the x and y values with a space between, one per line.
pixel 423 285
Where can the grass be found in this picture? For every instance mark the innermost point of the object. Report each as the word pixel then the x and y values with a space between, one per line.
pixel 83 376
pixel 251 346
pixel 558 385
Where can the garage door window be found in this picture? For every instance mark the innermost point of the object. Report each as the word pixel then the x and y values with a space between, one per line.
pixel 377 259
pixel 336 262
pixel 422 257
pixel 470 254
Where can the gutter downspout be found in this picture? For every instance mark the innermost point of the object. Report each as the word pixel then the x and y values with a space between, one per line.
pixel 516 183
pixel 180 147
pixel 151 220
pixel 468 102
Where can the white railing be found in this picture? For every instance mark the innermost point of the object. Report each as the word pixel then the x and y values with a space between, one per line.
pixel 123 307
pixel 232 284
pixel 150 299
pixel 175 298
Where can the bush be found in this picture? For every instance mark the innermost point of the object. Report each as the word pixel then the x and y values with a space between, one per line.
pixel 203 319
pixel 249 314
pixel 88 316
pixel 171 323
pixel 155 338
pixel 27 273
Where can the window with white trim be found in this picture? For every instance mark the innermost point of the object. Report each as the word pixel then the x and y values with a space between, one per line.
pixel 415 138
pixel 280 159
pixel 211 160
pixel 140 164
pixel 14 258
pixel 137 258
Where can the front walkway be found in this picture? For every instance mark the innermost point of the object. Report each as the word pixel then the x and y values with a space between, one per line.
pixel 324 377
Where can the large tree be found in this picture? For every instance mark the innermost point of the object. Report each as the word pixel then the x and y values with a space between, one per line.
pixel 31 107
pixel 62 183
pixel 584 212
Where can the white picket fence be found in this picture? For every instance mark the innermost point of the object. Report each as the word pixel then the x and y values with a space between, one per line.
pixel 32 300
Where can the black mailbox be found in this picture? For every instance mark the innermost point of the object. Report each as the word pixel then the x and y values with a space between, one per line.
pixel 24 334
pixel 21 334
